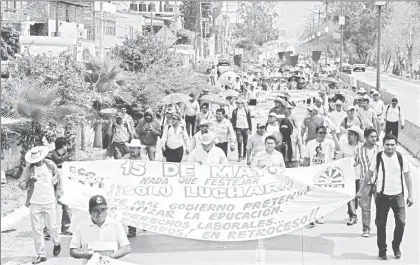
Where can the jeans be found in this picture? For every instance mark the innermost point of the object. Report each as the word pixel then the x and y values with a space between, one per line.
pixel 352 205
pixel 212 80
pixel 292 164
pixel 151 152
pixel 391 127
pixel 190 123
pixel 41 214
pixel 383 204
pixel 223 146
pixel 242 136
pixel 366 203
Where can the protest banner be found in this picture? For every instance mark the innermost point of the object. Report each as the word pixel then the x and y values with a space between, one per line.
pixel 210 202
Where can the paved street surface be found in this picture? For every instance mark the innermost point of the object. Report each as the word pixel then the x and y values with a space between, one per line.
pixel 331 243
pixel 408 93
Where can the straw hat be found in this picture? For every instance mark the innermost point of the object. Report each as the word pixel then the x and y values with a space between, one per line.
pixel 240 100
pixel 135 143
pixel 208 138
pixel 357 130
pixel 36 154
pixel 313 107
pixel 204 122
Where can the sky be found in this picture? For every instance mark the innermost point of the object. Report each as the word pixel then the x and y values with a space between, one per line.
pixel 292 16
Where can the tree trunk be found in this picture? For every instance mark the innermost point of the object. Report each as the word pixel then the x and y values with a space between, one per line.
pixel 388 62
pixel 98 141
pixel 410 60
pixel 83 136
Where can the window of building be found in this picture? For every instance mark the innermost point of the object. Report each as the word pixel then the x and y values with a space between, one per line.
pixel 67 13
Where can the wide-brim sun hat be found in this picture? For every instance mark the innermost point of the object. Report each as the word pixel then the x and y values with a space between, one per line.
pixel 208 138
pixel 36 154
pixel 135 143
pixel 204 122
pixel 357 130
pixel 240 100
pixel 313 108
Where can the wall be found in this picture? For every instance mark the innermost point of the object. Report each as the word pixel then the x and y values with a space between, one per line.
pixel 409 137
pixel 49 45
pixel 126 20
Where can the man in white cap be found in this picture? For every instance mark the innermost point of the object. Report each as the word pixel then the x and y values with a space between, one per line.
pixel 207 153
pixel 120 133
pixel 272 124
pixel 42 180
pixel 224 131
pixel 351 120
pixel 337 116
pixel 319 102
pixel 204 129
pixel 311 123
pixel 379 107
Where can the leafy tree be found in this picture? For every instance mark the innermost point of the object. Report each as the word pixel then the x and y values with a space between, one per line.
pixel 404 27
pixel 10 44
pixel 258 25
pixel 141 53
pixel 190 12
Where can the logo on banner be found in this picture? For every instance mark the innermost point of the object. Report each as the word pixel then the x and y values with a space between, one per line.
pixel 331 177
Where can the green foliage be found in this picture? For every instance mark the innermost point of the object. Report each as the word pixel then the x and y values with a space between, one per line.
pixel 141 53
pixel 190 12
pixel 258 26
pixel 10 44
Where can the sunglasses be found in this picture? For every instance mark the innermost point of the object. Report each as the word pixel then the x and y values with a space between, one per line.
pixel 322 132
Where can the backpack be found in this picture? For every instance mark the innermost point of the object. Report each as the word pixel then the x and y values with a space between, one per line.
pixel 50 165
pixel 114 129
pixel 386 112
pixel 379 161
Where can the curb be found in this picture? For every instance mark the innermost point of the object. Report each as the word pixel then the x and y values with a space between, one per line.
pixel 10 219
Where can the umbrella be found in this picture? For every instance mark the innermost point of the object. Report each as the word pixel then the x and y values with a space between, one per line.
pixel 109 112
pixel 174 98
pixel 230 93
pixel 215 99
pixel 329 80
pixel 224 77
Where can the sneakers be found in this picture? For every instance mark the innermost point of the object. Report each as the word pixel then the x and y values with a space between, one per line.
pixel 320 221
pixel 352 221
pixel 366 232
pixel 65 231
pixel 57 250
pixel 397 252
pixel 382 255
pixel 240 159
pixel 39 260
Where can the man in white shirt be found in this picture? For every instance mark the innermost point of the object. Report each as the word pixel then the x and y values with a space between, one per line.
pixel 174 140
pixel 320 151
pixel 393 118
pixel 207 153
pixel 224 131
pixel 389 169
pixel 367 114
pixel 192 109
pixel 256 143
pixel 338 115
pixel 378 106
pixel 42 180
pixel 100 231
pixel 204 128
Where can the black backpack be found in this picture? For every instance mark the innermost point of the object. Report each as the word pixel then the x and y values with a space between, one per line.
pixel 379 161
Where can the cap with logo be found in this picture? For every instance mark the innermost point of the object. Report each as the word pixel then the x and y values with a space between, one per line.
pixel 97 200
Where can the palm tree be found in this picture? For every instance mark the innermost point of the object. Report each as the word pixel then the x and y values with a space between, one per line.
pixel 40 104
pixel 107 80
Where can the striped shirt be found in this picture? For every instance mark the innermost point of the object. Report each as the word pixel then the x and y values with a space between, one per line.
pixel 363 157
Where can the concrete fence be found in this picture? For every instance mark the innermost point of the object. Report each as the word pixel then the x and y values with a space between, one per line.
pixel 409 137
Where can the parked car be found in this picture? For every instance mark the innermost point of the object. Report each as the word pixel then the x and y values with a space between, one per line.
pixel 347 68
pixel 359 66
pixel 223 59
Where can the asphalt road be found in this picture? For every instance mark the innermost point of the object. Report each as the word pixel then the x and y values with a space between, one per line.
pixel 331 243
pixel 407 93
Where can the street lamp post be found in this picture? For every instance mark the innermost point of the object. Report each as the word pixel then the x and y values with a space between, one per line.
pixel 341 22
pixel 379 4
pixel 326 46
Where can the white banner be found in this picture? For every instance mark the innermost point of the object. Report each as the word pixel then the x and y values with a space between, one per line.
pixel 210 202
pixel 102 260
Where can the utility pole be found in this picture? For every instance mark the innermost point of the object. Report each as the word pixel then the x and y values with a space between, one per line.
pixel 342 40
pixel 319 29
pixel 57 25
pixel 201 32
pixel 101 31
pixel 326 32
pixel 93 22
pixel 378 59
